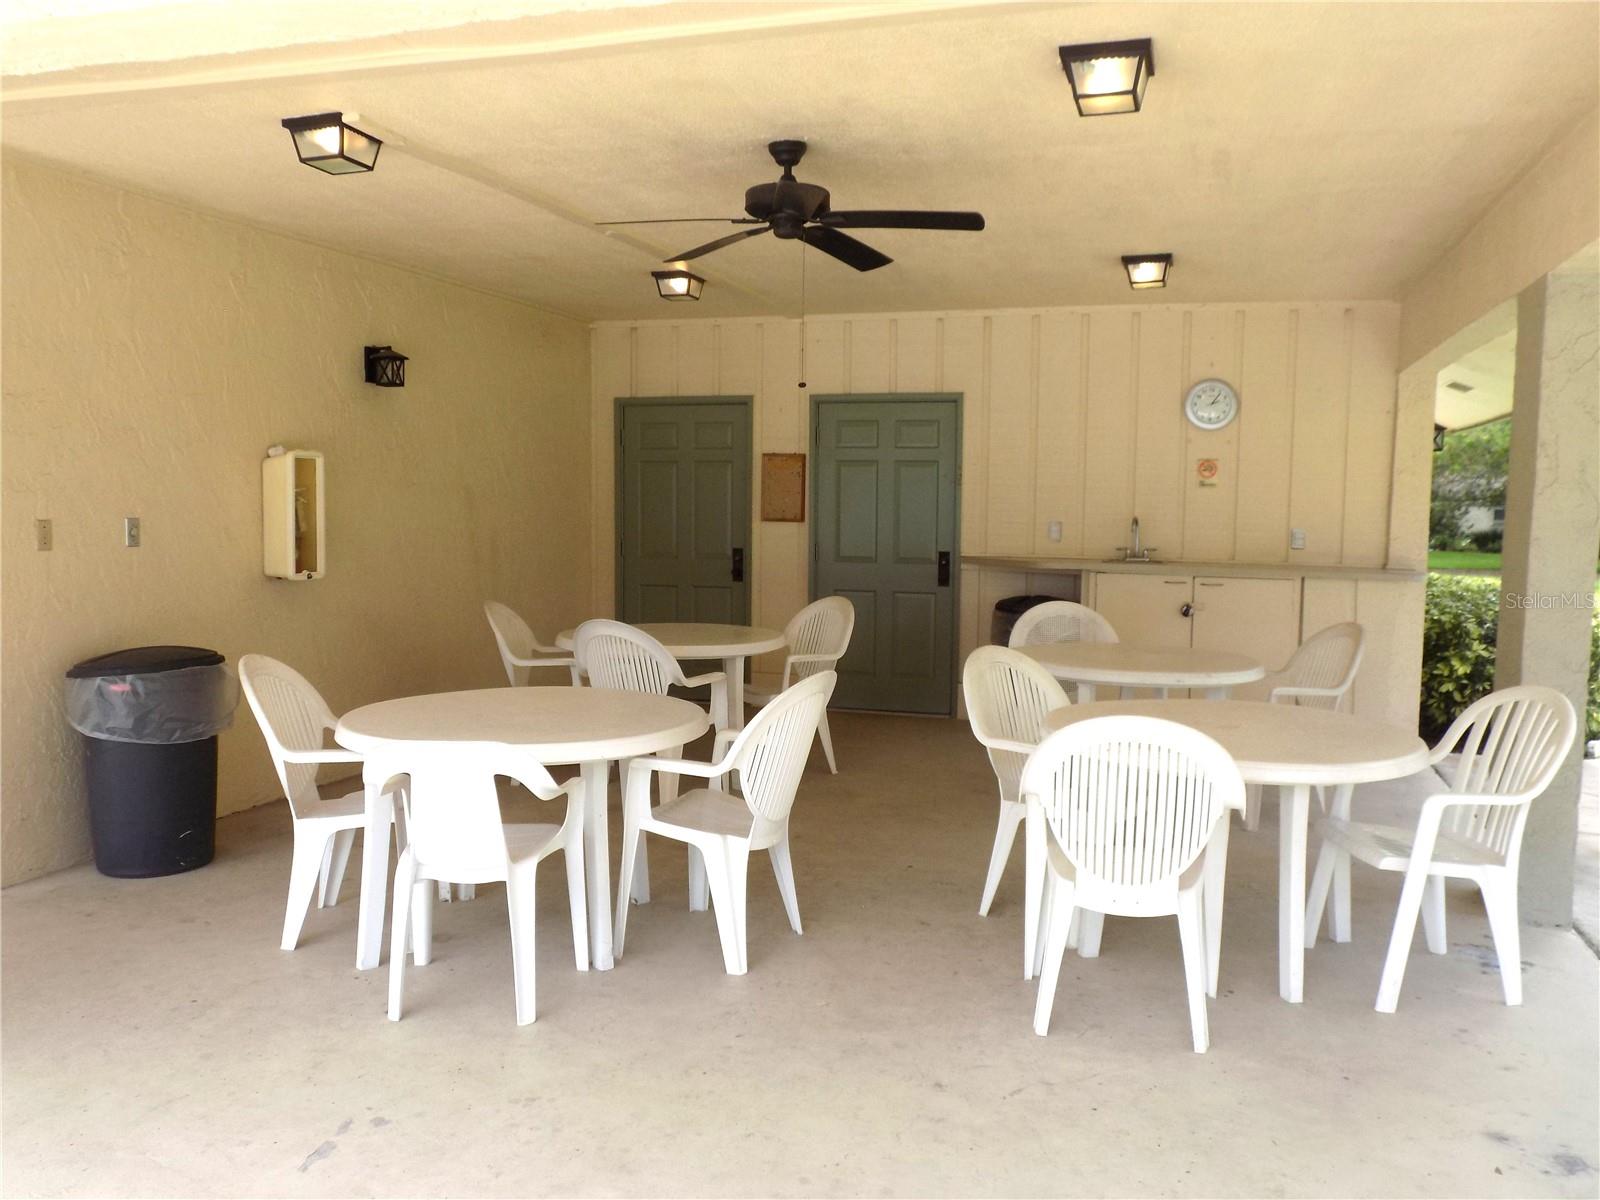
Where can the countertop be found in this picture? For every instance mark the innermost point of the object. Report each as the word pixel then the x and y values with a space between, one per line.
pixel 1225 570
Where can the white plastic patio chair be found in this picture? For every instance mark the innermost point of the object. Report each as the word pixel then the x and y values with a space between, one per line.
pixel 1319 674
pixel 454 833
pixel 520 650
pixel 295 720
pixel 1008 696
pixel 1512 743
pixel 818 636
pixel 1060 621
pixel 1136 818
pixel 769 756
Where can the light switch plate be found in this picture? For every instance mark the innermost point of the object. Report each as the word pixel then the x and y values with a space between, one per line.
pixel 130 531
pixel 1052 530
pixel 1297 539
pixel 43 535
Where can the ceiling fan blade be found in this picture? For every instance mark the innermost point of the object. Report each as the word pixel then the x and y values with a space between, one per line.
pixel 845 248
pixel 717 245
pixel 896 219
pixel 685 221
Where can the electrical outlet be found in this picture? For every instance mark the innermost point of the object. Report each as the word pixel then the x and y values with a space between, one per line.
pixel 43 536
pixel 130 532
pixel 1297 539
pixel 1052 530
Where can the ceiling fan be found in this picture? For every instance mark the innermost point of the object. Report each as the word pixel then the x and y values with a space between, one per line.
pixel 791 209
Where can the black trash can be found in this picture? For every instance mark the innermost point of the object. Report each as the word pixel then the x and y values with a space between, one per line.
pixel 150 718
pixel 1006 613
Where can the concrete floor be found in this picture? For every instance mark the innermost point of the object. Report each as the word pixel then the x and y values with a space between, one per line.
pixel 156 1041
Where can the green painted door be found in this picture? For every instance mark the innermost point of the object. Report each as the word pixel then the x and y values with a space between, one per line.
pixel 684 511
pixel 884 537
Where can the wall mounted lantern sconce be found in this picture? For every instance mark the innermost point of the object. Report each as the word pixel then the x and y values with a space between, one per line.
pixel 324 141
pixel 1146 270
pixel 1438 438
pixel 678 285
pixel 1109 77
pixel 385 366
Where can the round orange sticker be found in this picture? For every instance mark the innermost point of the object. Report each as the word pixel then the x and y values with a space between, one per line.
pixel 1206 468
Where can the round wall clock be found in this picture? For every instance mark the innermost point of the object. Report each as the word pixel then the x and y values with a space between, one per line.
pixel 1211 404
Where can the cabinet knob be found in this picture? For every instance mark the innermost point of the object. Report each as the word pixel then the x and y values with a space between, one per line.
pixel 1187 610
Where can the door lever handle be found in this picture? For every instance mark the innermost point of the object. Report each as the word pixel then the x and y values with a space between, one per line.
pixel 944 568
pixel 738 564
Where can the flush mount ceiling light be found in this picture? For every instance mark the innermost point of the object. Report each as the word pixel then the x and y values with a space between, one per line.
pixel 326 142
pixel 1146 270
pixel 1109 77
pixel 678 284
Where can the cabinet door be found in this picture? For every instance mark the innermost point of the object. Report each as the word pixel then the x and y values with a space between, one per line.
pixel 1258 617
pixel 1145 610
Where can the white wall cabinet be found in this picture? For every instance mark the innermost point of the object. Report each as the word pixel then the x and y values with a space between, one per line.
pixel 293 525
pixel 1257 617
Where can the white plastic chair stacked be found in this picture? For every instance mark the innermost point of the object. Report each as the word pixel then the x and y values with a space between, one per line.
pixel 1060 621
pixel 455 834
pixel 295 720
pixel 520 650
pixel 818 636
pixel 1512 743
pixel 1136 813
pixel 1008 696
pixel 769 756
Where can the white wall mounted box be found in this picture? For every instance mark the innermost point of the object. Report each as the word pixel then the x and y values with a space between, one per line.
pixel 293 532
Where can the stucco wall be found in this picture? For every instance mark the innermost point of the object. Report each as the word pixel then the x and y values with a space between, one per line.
pixel 150 356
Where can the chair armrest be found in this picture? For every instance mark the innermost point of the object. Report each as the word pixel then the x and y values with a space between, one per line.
pixel 805 658
pixel 567 661
pixel 321 756
pixel 1023 748
pixel 1323 693
pixel 723 739
pixel 677 766
pixel 711 677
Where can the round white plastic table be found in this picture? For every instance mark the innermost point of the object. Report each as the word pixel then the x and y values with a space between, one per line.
pixel 730 643
pixel 1117 664
pixel 588 726
pixel 1292 748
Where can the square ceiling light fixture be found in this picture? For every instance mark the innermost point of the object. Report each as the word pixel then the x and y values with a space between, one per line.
pixel 1109 77
pixel 1146 270
pixel 326 142
pixel 678 284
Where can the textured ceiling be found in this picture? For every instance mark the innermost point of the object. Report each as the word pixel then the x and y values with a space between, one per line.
pixel 1297 151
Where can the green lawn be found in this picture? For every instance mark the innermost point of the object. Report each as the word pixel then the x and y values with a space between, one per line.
pixel 1463 560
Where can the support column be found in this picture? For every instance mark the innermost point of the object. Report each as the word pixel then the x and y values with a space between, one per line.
pixel 1552 533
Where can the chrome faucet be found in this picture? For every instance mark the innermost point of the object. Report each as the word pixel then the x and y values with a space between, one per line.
pixel 1136 552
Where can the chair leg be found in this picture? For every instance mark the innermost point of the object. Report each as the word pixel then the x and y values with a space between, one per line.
pixel 1252 807
pixel 1053 951
pixel 304 871
pixel 422 925
pixel 1215 879
pixel 342 841
pixel 1034 880
pixel 404 888
pixel 1317 894
pixel 1405 928
pixel 632 836
pixel 1005 834
pixel 1191 933
pixel 699 895
pixel 1089 930
pixel 638 881
pixel 1433 919
pixel 721 871
pixel 323 872
pixel 573 851
pixel 1500 898
pixel 520 907
pixel 825 736
pixel 1339 918
pixel 783 868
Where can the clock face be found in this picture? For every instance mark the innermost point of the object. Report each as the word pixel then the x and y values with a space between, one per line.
pixel 1211 404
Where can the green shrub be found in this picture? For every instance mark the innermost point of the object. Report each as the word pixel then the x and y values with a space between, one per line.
pixel 1593 715
pixel 1459 622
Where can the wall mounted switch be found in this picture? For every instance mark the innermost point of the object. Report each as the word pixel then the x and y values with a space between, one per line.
pixel 1297 539
pixel 1052 530
pixel 130 531
pixel 43 535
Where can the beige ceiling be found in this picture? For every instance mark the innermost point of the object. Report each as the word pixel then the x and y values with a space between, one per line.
pixel 1488 374
pixel 1304 151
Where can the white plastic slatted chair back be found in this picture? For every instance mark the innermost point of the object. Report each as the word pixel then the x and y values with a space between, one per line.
pixel 514 639
pixel 770 752
pixel 1512 742
pixel 293 716
pixel 1008 696
pixel 822 627
pixel 1328 660
pixel 1131 801
pixel 618 656
pixel 1060 621
pixel 452 808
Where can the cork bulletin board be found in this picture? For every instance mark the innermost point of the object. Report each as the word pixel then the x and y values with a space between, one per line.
pixel 783 487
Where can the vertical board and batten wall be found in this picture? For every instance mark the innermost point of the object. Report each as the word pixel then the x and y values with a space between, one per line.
pixel 1070 415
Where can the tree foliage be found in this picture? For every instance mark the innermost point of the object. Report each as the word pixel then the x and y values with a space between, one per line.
pixel 1470 472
